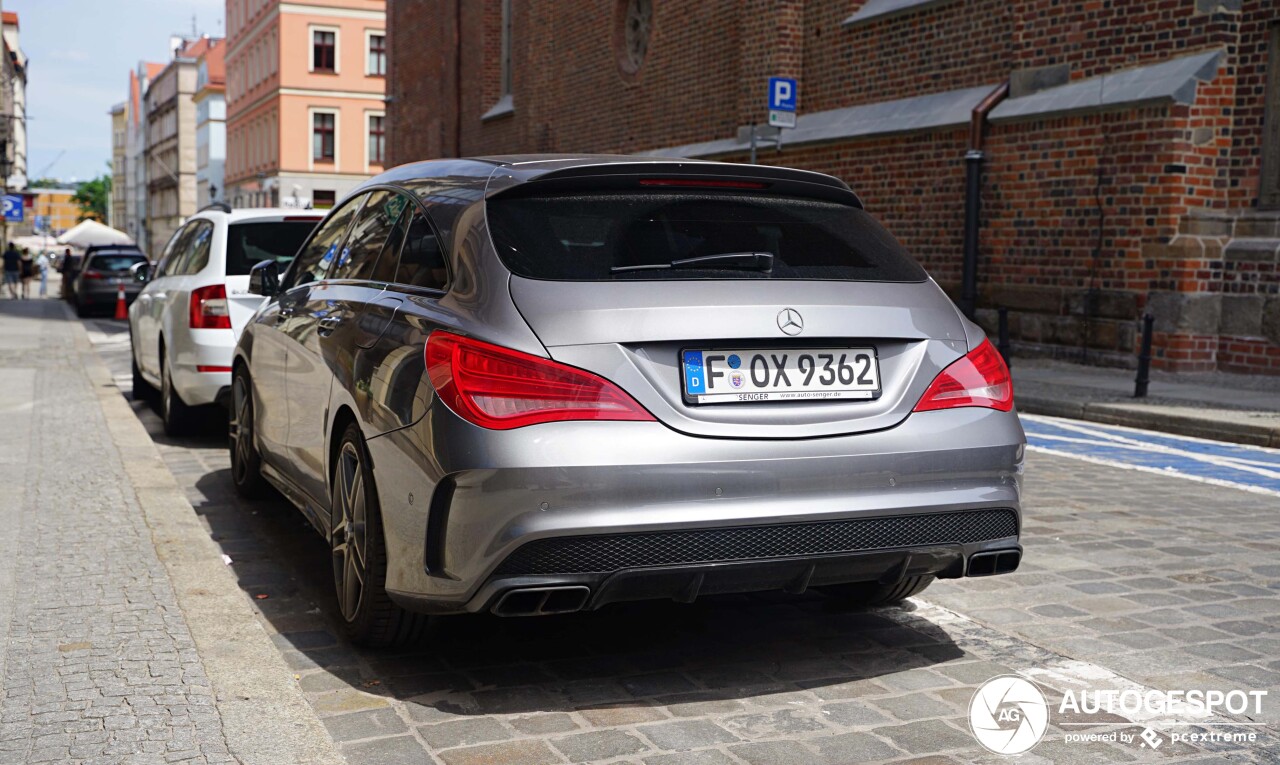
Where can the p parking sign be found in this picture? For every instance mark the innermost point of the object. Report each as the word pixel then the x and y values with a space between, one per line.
pixel 12 208
pixel 782 94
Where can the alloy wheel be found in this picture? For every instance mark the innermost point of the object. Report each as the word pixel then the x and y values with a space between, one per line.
pixel 241 429
pixel 350 560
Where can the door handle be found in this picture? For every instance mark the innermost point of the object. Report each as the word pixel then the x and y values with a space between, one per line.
pixel 328 324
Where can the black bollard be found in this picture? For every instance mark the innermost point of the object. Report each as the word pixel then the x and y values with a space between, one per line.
pixel 1002 343
pixel 1144 358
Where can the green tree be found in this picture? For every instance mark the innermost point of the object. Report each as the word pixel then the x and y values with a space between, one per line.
pixel 92 197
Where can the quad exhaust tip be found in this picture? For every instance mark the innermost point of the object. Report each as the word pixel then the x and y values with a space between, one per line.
pixel 993 562
pixel 542 601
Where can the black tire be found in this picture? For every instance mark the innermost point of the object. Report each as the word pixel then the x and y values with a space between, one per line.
pixel 176 414
pixel 359 554
pixel 81 310
pixel 246 461
pixel 866 594
pixel 142 390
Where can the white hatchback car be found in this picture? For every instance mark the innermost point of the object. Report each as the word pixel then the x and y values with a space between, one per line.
pixel 184 324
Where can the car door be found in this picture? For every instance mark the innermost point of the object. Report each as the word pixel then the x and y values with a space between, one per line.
pixel 154 299
pixel 176 323
pixel 339 305
pixel 304 301
pixel 402 316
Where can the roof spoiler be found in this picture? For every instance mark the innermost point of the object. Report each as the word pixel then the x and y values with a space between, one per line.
pixel 718 176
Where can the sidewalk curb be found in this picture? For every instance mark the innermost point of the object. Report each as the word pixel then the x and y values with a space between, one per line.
pixel 1161 420
pixel 266 720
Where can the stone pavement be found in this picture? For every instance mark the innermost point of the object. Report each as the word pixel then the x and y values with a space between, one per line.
pixel 1132 581
pixel 1226 407
pixel 104 657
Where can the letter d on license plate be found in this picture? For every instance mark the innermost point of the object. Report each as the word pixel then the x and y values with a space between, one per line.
pixel 793 374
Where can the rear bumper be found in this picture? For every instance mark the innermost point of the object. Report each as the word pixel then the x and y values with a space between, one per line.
pixel 497 495
pixel 202 364
pixel 105 295
pixel 686 582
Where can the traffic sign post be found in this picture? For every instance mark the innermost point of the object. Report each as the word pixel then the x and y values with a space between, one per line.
pixel 782 110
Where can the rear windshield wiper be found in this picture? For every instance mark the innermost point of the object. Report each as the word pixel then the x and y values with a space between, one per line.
pixel 755 261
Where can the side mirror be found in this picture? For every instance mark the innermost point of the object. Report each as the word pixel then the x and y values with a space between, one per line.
pixel 141 272
pixel 264 278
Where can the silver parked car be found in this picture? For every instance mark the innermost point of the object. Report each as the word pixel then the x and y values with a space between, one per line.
pixel 534 385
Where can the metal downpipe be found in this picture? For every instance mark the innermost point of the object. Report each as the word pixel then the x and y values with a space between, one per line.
pixel 973 159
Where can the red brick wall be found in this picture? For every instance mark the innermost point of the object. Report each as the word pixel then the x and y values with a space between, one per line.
pixel 1072 278
pixel 951 46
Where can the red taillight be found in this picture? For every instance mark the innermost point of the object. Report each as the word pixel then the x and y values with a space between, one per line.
pixel 501 389
pixel 209 308
pixel 92 274
pixel 979 379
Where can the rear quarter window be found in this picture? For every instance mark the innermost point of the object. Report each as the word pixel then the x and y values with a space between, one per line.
pixel 251 243
pixel 616 236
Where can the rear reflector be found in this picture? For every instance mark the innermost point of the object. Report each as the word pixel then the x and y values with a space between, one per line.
pixel 980 378
pixel 204 368
pixel 92 275
pixel 501 389
pixel 705 183
pixel 209 308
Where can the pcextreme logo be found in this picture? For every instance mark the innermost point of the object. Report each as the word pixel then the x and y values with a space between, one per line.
pixel 1008 714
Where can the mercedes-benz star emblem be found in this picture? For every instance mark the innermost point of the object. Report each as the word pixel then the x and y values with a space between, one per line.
pixel 790 321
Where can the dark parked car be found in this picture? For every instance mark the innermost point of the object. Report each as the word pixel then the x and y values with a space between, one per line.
pixel 102 273
pixel 533 385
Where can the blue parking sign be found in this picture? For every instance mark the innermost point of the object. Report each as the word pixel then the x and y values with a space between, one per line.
pixel 782 94
pixel 12 208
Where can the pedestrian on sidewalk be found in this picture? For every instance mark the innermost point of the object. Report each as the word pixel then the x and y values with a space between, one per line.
pixel 12 269
pixel 26 271
pixel 42 265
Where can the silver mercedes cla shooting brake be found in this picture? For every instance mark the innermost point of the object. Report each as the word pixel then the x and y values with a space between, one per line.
pixel 539 384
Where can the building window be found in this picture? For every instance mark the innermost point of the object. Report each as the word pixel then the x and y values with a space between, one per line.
pixel 323 199
pixel 324 51
pixel 1270 191
pixel 377 139
pixel 323 126
pixel 632 39
pixel 377 64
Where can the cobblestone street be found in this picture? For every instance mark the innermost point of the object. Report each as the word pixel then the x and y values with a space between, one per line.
pixel 1132 580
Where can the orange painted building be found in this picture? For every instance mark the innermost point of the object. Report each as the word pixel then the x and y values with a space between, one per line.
pixel 305 108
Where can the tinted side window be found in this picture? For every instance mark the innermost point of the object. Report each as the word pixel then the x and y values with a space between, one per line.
pixel 369 234
pixel 389 260
pixel 421 262
pixel 314 259
pixel 197 248
pixel 173 250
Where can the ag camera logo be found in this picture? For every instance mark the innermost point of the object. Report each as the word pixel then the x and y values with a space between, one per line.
pixel 1008 715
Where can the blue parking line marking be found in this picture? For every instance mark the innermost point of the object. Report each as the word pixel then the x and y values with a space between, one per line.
pixel 1252 468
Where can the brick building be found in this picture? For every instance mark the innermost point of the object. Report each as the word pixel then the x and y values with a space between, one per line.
pixel 1133 167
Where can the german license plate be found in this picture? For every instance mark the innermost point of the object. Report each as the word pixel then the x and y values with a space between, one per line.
pixel 794 374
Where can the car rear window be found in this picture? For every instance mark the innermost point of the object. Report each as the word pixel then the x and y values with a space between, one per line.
pixel 114 262
pixel 251 243
pixel 588 237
